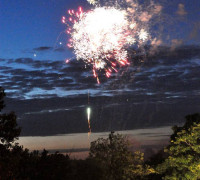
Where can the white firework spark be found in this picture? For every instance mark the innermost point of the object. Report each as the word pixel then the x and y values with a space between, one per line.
pixel 93 2
pixel 143 35
pixel 99 33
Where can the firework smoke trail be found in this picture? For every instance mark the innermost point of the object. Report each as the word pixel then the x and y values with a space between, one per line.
pixel 101 36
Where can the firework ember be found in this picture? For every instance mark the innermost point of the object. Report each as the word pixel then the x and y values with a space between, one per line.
pixel 101 37
pixel 93 2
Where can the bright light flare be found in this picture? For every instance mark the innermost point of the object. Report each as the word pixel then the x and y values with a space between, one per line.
pixel 88 116
pixel 99 33
pixel 101 36
pixel 88 113
pixel 67 61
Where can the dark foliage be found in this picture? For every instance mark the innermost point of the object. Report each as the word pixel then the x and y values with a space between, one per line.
pixel 190 121
pixel 8 124
pixel 183 161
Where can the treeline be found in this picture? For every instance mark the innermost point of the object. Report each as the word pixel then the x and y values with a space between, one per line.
pixel 109 158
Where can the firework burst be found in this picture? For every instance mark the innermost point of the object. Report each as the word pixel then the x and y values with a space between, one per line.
pixel 101 36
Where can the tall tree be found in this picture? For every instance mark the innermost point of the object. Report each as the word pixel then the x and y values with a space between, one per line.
pixel 117 160
pixel 183 161
pixel 9 131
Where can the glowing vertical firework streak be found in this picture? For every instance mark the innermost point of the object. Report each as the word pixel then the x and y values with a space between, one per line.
pixel 88 114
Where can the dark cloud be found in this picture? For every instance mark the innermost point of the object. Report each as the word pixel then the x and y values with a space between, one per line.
pixel 160 71
pixel 48 48
pixel 60 49
pixel 43 48
pixel 23 61
pixel 169 55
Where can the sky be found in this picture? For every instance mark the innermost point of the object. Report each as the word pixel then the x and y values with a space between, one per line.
pixel 50 97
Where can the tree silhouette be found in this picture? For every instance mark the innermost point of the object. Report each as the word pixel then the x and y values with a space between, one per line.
pixel 117 160
pixel 183 161
pixel 9 131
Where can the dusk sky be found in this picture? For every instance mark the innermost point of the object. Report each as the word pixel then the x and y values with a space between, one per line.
pixel 50 97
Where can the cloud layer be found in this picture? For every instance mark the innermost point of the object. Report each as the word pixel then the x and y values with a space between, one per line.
pixel 50 97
